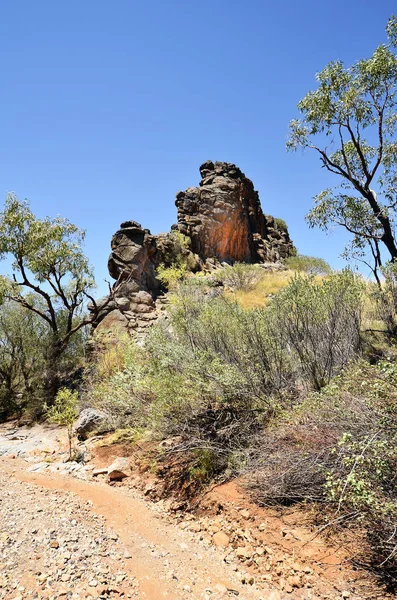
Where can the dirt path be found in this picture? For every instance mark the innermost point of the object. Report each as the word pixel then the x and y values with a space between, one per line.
pixel 62 537
pixel 66 534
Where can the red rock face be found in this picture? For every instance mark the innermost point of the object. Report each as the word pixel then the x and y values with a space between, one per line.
pixel 222 231
pixel 224 220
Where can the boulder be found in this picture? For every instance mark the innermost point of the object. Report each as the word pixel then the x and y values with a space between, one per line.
pixel 220 539
pixel 119 469
pixel 89 421
pixel 115 320
pixel 122 303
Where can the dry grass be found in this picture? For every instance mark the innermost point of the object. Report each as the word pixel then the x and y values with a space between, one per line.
pixel 110 356
pixel 261 294
pixel 372 309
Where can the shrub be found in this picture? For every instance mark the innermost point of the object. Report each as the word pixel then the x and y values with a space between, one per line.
pixel 112 382
pixel 338 447
pixel 169 276
pixel 64 412
pixel 308 264
pixel 240 276
pixel 281 224
pixel 384 299
pixel 178 260
pixel 214 371
pixel 320 322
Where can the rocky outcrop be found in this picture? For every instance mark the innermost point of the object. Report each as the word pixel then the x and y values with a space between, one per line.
pixel 221 221
pixel 223 218
pixel 131 258
pixel 89 421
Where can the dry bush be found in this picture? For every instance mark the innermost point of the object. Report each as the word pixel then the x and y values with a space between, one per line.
pixel 320 321
pixel 339 449
pixel 240 276
pixel 293 459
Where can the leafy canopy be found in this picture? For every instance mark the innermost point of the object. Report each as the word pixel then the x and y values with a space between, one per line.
pixel 350 121
pixel 48 262
pixel 308 264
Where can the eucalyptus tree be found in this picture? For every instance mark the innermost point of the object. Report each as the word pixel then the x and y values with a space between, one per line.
pixel 350 120
pixel 23 337
pixel 50 276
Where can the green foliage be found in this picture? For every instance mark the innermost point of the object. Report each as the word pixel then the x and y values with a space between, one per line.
pixel 350 121
pixel 312 265
pixel 169 276
pixel 320 322
pixel 382 303
pixel 22 347
pixel 281 224
pixel 113 383
pixel 205 465
pixel 367 465
pixel 25 344
pixel 178 260
pixel 50 277
pixel 240 276
pixel 64 412
pixel 45 247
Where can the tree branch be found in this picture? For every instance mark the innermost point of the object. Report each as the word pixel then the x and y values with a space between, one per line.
pixel 25 282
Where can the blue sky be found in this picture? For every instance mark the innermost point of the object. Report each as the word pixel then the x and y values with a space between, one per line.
pixel 109 108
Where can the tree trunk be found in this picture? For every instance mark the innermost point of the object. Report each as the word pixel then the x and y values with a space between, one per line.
pixel 53 379
pixel 388 240
pixel 387 236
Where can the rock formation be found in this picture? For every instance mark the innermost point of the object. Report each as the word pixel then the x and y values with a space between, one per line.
pixel 222 220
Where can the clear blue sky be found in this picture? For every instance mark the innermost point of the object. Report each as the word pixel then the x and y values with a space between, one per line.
pixel 109 108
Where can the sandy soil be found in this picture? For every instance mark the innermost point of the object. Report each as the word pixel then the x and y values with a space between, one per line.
pixel 164 563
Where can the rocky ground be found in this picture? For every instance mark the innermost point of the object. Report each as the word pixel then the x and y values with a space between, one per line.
pixel 88 540
pixel 65 532
pixel 52 545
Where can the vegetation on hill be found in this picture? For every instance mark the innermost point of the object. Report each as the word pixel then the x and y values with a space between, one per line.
pixel 287 377
pixel 308 264
pixel 294 394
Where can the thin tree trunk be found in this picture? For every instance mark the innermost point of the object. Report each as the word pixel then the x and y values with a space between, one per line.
pixel 53 380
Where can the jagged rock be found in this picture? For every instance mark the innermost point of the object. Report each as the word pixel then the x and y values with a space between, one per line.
pixel 222 221
pixel 89 420
pixel 130 259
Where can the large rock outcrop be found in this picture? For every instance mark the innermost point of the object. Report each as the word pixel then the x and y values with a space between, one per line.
pixel 222 221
